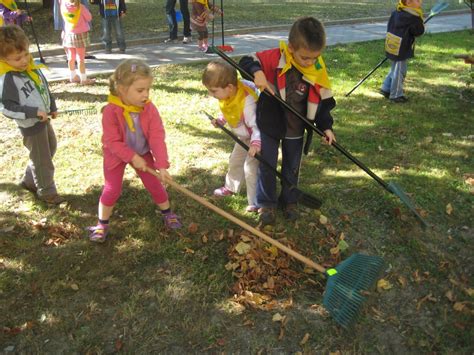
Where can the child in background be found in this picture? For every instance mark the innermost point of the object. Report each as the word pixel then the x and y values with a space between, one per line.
pixel 10 14
pixel 112 12
pixel 201 14
pixel 25 98
pixel 75 36
pixel 133 133
pixel 405 23
pixel 298 72
pixel 237 100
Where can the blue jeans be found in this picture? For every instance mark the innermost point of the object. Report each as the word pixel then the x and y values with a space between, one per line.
pixel 393 82
pixel 171 18
pixel 107 24
pixel 292 150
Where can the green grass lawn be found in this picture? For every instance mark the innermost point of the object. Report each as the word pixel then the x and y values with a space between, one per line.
pixel 149 290
pixel 146 18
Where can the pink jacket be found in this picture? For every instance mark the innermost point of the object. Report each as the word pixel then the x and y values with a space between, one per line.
pixel 114 146
pixel 83 22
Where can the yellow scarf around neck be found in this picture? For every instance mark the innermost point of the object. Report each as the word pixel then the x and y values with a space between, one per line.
pixel 233 107
pixel 126 110
pixel 412 10
pixel 316 74
pixel 1 21
pixel 204 2
pixel 72 18
pixel 10 4
pixel 31 70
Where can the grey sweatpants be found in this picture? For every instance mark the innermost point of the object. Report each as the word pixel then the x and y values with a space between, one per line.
pixel 40 170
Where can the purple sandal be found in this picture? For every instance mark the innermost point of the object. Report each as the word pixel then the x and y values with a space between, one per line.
pixel 98 233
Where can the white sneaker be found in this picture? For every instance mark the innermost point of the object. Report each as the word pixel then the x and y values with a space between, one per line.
pixel 170 41
pixel 187 40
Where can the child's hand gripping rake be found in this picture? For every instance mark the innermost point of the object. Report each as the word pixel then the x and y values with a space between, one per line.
pixel 347 282
pixel 434 11
pixel 305 198
pixel 391 187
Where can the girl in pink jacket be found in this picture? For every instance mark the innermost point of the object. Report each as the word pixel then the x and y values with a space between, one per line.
pixel 133 133
pixel 75 37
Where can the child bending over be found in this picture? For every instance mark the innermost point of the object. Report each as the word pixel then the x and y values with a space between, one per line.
pixel 297 72
pixel 133 133
pixel 237 101
pixel 201 14
pixel 25 98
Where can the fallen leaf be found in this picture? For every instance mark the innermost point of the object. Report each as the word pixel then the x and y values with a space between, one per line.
pixel 450 295
pixel 428 139
pixel 188 251
pixel 428 297
pixel 469 291
pixel 449 209
pixel 334 251
pixel 193 228
pixel 242 248
pixel 118 345
pixel 323 219
pixel 383 284
pixel 342 245
pixel 75 287
pixel 277 317
pixel 204 239
pixel 220 342
pixel 402 281
pixel 305 339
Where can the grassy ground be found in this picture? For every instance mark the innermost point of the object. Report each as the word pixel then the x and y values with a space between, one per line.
pixel 147 18
pixel 148 290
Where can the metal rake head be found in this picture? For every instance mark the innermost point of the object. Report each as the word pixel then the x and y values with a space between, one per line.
pixel 344 296
pixel 81 111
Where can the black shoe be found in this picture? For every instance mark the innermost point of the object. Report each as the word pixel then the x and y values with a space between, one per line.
pixel 291 212
pixel 23 185
pixel 384 93
pixel 267 216
pixel 399 100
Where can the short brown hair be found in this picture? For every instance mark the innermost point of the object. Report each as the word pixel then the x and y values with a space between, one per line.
pixel 12 39
pixel 219 74
pixel 307 32
pixel 127 72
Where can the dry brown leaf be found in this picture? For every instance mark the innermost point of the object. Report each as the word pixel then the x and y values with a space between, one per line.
pixel 204 239
pixel 402 281
pixel 305 339
pixel 75 287
pixel 323 219
pixel 450 295
pixel 193 228
pixel 469 292
pixel 428 297
pixel 188 251
pixel 242 248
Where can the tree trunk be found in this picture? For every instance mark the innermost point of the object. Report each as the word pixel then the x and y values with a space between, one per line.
pixel 48 4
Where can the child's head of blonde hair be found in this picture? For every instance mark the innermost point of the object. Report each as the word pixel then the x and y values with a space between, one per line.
pixel 412 3
pixel 219 74
pixel 76 3
pixel 127 72
pixel 307 32
pixel 12 39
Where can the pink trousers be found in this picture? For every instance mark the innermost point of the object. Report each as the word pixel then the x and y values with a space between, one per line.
pixel 114 178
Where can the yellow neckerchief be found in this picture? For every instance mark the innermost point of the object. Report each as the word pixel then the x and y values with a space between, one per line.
pixel 72 18
pixel 31 70
pixel 204 2
pixel 10 4
pixel 233 107
pixel 412 10
pixel 126 109
pixel 1 21
pixel 315 74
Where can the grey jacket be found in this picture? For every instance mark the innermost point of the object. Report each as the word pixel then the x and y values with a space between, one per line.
pixel 21 98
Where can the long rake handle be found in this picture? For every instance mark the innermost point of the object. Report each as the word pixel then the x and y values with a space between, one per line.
pixel 34 32
pixel 307 122
pixel 257 156
pixel 241 223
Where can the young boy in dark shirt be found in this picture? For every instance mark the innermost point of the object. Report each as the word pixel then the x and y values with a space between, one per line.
pixel 405 23
pixel 297 73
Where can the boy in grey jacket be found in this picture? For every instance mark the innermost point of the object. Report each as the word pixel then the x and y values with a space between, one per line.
pixel 25 98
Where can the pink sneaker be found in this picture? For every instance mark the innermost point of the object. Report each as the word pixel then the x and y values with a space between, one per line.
pixel 98 233
pixel 222 192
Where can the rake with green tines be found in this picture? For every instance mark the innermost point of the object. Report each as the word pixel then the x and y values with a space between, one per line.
pixel 347 282
pixel 80 111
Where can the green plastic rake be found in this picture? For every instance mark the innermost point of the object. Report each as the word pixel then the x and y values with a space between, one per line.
pixel 347 283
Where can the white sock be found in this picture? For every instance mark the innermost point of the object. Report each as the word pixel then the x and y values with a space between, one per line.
pixel 83 77
pixel 72 74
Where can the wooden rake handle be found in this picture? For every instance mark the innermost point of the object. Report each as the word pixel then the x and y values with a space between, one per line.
pixel 241 223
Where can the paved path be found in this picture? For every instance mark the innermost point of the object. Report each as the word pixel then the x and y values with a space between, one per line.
pixel 160 53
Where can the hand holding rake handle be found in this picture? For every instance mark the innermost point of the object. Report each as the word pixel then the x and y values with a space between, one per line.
pixel 391 187
pixel 343 296
pixel 304 198
pixel 434 11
